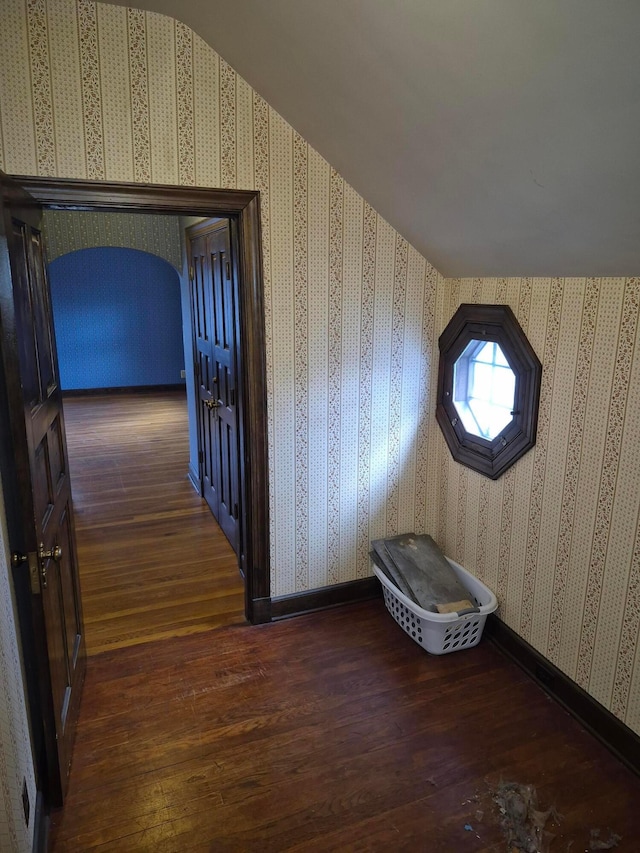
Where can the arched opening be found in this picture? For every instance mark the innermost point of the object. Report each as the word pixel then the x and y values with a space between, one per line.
pixel 118 319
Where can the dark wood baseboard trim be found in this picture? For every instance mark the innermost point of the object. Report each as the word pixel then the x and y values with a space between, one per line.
pixel 124 389
pixel 40 826
pixel 194 478
pixel 259 610
pixel 285 606
pixel 611 731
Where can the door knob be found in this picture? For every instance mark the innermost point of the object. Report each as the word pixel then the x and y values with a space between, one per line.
pixel 211 403
pixel 54 554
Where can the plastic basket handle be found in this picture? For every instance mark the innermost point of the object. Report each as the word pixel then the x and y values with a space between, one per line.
pixel 468 610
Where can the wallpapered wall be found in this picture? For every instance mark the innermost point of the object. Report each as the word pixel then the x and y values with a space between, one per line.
pixel 352 313
pixel 557 537
pixel 98 91
pixel 15 746
pixel 101 92
pixel 67 231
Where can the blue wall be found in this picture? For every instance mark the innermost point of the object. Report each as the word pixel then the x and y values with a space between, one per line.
pixel 118 319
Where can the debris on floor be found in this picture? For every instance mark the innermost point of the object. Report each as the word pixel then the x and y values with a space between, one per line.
pixel 607 843
pixel 523 823
pixel 528 828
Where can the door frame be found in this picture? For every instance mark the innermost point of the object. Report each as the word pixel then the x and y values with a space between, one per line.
pixel 242 208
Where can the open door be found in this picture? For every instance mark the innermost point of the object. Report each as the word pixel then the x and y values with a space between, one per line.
pixel 241 209
pixel 36 479
pixel 215 321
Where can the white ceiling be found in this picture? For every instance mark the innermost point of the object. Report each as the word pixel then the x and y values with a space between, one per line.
pixel 500 137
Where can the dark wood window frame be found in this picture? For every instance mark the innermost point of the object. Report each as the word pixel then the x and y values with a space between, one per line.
pixel 242 207
pixel 489 323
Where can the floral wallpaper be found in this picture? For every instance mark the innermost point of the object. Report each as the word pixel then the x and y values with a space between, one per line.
pixel 103 92
pixel 558 536
pixel 142 98
pixel 68 231
pixel 352 315
pixel 16 762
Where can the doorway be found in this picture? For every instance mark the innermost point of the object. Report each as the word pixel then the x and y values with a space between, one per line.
pixel 153 563
pixel 47 561
pixel 241 208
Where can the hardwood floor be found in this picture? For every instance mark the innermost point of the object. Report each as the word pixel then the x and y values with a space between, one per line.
pixel 153 561
pixel 327 732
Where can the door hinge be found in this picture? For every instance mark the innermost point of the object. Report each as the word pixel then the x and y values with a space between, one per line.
pixel 228 270
pixel 232 396
pixel 192 274
pixel 235 511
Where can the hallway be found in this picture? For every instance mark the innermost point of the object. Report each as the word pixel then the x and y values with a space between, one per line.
pixel 153 562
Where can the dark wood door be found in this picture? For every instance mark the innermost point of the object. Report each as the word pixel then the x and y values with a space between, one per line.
pixel 215 324
pixel 41 528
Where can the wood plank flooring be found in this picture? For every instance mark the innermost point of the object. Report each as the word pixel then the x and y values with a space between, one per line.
pixel 153 561
pixel 327 732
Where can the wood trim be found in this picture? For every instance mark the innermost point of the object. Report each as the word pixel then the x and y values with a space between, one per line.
pixel 611 731
pixel 261 610
pixel 497 323
pixel 78 194
pixel 242 207
pixel 285 606
pixel 253 352
pixel 122 389
pixel 194 479
pixel 40 826
pixel 205 227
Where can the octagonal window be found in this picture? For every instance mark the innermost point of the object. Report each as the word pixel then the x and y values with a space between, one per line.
pixel 488 388
pixel 484 388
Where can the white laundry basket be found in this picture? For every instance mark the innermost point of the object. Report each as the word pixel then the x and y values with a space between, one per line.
pixel 440 633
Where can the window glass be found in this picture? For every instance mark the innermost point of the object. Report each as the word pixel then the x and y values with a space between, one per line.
pixel 484 389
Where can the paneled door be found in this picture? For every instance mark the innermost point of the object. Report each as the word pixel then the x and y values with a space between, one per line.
pixel 215 319
pixel 35 470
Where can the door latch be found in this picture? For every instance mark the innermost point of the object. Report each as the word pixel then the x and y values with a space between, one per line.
pixel 54 554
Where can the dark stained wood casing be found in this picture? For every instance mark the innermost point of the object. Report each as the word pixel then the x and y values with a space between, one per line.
pixel 489 323
pixel 242 207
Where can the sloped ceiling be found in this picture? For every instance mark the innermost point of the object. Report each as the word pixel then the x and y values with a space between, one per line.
pixel 500 137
